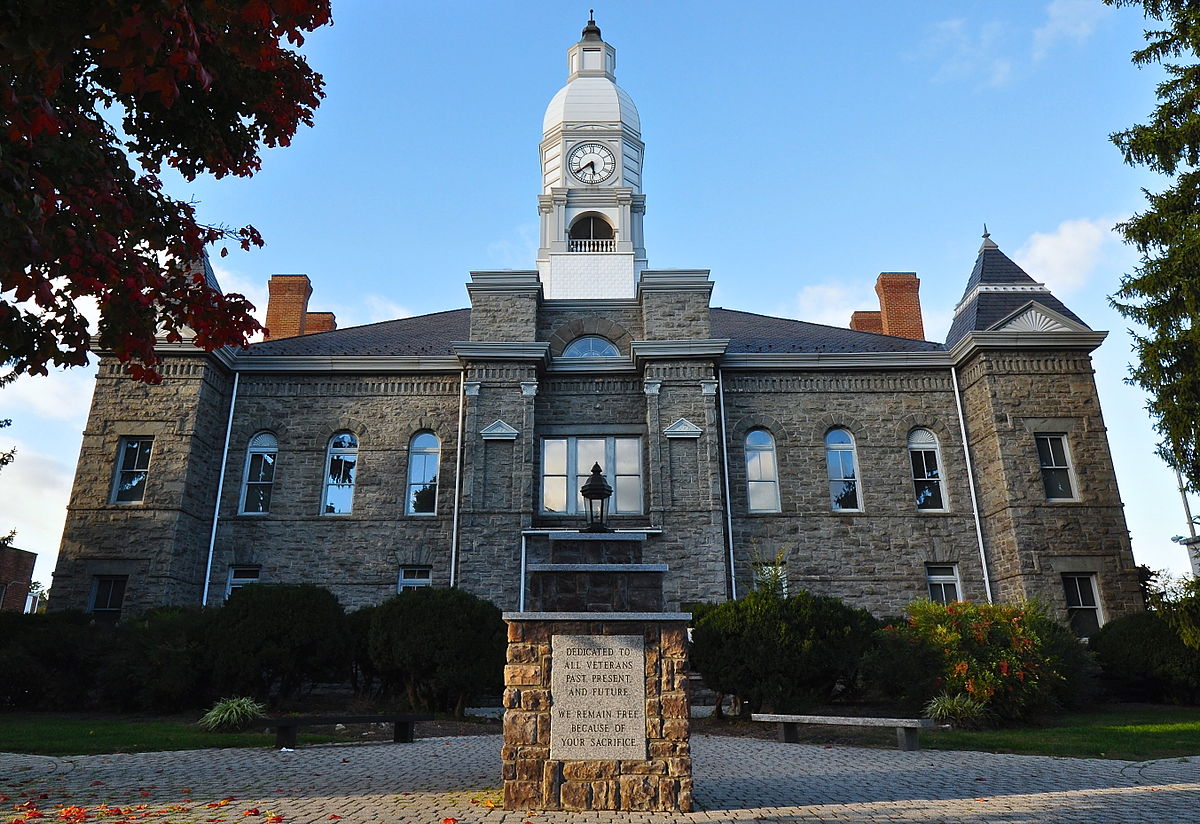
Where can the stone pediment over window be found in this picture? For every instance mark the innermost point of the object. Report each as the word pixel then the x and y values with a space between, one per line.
pixel 498 431
pixel 683 428
pixel 1034 317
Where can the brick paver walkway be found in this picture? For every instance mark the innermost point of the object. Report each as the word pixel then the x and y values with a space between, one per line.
pixel 736 779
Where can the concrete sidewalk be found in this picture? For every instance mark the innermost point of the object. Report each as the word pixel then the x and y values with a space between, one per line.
pixel 736 779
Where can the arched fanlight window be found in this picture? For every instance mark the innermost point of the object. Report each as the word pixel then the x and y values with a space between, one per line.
pixel 926 469
pixel 762 472
pixel 591 346
pixel 591 227
pixel 258 478
pixel 423 453
pixel 843 474
pixel 341 464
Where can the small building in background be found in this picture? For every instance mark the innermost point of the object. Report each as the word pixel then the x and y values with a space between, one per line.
pixel 16 578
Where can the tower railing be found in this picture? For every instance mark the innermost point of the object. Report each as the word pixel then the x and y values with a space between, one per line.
pixel 607 245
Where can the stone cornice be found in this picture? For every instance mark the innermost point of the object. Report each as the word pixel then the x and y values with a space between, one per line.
pixel 574 365
pixel 593 304
pixel 226 356
pixel 505 282
pixel 674 280
pixel 502 351
pixel 710 348
pixel 973 342
pixel 836 360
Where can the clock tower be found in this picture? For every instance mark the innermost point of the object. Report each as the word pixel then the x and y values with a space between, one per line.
pixel 591 204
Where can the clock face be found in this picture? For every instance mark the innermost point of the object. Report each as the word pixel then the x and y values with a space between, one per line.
pixel 591 162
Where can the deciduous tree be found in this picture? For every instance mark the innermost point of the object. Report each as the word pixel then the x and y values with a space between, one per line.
pixel 1163 293
pixel 198 85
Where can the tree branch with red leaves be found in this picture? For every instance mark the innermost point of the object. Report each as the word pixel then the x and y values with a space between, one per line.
pixel 198 85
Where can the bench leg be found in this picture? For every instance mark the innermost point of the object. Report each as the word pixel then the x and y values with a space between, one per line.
pixel 402 732
pixel 285 736
pixel 789 733
pixel 908 738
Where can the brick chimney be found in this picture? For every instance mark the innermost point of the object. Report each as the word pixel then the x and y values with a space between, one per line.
pixel 287 309
pixel 899 307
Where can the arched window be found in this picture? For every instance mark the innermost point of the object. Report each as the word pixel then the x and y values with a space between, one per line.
pixel 926 469
pixel 591 227
pixel 423 452
pixel 591 346
pixel 340 464
pixel 843 475
pixel 258 478
pixel 762 472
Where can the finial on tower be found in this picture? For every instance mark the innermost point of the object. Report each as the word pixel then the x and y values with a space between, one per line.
pixel 591 31
pixel 988 243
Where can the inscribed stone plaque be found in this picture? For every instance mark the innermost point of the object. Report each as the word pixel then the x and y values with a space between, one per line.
pixel 598 697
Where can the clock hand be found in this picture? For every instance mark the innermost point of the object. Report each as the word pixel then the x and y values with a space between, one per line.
pixel 591 163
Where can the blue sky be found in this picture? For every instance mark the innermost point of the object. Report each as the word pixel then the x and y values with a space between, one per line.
pixel 796 149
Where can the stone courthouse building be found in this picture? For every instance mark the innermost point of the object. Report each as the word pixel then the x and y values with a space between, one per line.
pixel 861 462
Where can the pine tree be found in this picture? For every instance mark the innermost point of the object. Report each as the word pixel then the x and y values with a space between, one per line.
pixel 1163 293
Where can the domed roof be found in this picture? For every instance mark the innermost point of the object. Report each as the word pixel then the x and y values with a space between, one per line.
pixel 592 100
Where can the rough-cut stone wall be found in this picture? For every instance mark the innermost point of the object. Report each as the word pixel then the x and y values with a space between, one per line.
pixel 874 558
pixel 505 316
pixel 561 326
pixel 533 781
pixel 161 543
pixel 357 556
pixel 678 314
pixel 1010 397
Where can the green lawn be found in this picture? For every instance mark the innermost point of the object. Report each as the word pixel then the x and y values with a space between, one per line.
pixel 75 735
pixel 1132 735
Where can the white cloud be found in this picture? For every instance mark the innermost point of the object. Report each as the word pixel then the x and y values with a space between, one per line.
pixel 62 395
pixel 1073 20
pixel 1066 258
pixel 37 487
pixel 254 290
pixel 963 51
pixel 517 251
pixel 832 304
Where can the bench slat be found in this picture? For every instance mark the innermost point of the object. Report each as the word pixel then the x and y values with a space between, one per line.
pixel 845 721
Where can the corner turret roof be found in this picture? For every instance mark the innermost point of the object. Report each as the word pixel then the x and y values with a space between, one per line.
pixel 996 288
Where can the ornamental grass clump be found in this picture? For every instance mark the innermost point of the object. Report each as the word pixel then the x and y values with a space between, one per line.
pixel 960 711
pixel 232 714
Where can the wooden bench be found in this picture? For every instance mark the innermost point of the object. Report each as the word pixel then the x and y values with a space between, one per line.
pixel 286 728
pixel 906 728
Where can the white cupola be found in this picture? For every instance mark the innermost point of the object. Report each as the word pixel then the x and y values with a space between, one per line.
pixel 591 204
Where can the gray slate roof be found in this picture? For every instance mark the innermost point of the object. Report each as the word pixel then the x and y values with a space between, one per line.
pixel 986 309
pixel 419 335
pixel 759 334
pixel 433 334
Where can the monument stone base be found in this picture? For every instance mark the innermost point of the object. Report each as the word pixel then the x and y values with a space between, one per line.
pixel 574 740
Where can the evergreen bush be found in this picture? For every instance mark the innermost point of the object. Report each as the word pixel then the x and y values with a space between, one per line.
pixel 440 646
pixel 781 653
pixel 50 661
pixel 270 642
pixel 158 662
pixel 1143 658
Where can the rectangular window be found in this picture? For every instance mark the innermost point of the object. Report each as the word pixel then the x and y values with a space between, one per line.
pixel 943 583
pixel 414 577
pixel 133 465
pixel 927 483
pixel 240 576
pixel 567 463
pixel 1083 607
pixel 108 597
pixel 1055 461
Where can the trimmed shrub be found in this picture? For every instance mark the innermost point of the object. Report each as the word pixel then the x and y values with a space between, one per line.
pixel 781 652
pixel 1143 658
pixel 903 667
pixel 50 661
pixel 1011 658
pixel 157 662
pixel 272 641
pixel 364 678
pixel 440 646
